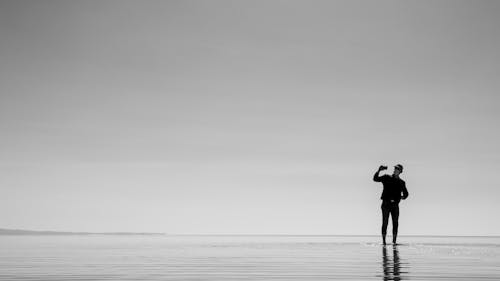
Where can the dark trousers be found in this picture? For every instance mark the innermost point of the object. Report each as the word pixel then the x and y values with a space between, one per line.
pixel 391 208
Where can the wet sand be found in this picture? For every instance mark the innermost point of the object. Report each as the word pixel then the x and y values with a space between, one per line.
pixel 98 257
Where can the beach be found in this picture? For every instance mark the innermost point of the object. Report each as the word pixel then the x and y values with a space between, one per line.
pixel 226 257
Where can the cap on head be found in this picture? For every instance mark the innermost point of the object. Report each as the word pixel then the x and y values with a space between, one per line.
pixel 399 167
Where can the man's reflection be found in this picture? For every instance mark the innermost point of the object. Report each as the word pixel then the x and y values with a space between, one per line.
pixel 392 267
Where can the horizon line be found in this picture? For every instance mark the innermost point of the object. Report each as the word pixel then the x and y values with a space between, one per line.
pixel 30 231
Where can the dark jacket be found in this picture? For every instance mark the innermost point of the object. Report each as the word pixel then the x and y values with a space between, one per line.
pixel 394 188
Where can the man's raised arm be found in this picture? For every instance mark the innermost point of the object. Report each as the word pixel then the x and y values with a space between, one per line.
pixel 376 177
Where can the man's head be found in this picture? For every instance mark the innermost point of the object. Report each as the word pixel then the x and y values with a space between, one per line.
pixel 398 169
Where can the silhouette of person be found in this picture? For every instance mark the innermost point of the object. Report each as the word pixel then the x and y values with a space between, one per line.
pixel 394 191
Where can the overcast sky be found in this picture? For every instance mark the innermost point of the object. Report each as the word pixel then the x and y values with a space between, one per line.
pixel 256 117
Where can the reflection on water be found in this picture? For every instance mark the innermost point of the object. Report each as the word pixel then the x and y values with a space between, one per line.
pixel 259 258
pixel 392 266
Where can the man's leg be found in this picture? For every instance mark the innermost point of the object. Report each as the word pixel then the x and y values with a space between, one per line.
pixel 385 221
pixel 395 222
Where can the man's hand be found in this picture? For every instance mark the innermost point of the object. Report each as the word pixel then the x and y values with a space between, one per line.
pixel 382 167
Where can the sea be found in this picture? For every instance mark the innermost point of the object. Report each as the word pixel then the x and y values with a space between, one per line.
pixel 242 257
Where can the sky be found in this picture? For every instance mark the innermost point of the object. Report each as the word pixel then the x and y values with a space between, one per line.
pixel 248 117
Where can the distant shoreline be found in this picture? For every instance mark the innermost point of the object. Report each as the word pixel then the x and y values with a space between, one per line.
pixel 7 231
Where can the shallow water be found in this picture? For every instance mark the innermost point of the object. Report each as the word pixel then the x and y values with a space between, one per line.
pixel 105 257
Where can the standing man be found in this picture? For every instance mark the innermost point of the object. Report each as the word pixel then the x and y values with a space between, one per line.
pixel 394 191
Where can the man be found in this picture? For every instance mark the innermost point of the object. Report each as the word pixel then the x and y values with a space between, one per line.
pixel 394 191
